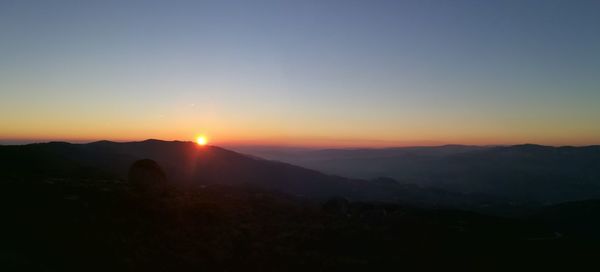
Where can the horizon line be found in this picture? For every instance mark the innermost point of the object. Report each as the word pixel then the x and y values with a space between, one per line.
pixel 11 142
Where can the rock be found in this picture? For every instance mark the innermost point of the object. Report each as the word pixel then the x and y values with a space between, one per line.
pixel 146 176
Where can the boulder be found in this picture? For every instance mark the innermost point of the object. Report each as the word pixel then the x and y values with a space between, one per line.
pixel 146 176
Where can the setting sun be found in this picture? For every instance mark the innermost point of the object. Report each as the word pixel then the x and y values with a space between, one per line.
pixel 201 140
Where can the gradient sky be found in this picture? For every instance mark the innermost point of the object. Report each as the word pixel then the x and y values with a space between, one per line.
pixel 311 73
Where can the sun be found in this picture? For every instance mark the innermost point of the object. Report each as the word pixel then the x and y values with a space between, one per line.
pixel 201 140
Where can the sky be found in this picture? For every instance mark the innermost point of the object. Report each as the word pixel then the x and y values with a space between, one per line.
pixel 303 73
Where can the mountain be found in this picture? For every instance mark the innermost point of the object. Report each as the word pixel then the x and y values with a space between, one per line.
pixel 520 172
pixel 399 163
pixel 466 177
pixel 185 163
pixel 74 207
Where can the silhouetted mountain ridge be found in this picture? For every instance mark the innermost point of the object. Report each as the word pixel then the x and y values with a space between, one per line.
pixel 449 176
pixel 184 162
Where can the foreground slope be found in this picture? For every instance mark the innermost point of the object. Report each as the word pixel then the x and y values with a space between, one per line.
pixel 99 225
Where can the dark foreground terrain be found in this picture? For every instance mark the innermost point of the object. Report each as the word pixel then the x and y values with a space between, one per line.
pixel 82 225
pixel 74 208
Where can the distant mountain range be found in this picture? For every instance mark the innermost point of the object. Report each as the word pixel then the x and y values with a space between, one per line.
pixel 466 177
pixel 520 172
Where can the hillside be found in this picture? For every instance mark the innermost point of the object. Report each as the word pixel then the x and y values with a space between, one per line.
pixel 521 172
pixel 185 164
pixel 73 224
pixel 72 207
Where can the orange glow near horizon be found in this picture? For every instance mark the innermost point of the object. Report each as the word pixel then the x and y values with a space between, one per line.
pixel 225 139
pixel 231 131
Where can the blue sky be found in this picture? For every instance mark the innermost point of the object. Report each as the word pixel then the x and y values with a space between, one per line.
pixel 302 72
